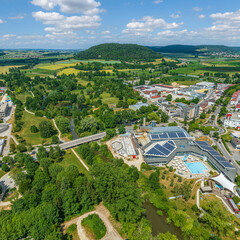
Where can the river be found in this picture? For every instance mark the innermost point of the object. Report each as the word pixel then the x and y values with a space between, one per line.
pixel 159 223
pixel 74 134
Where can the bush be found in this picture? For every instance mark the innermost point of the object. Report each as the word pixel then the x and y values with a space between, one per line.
pixel 171 169
pixel 55 139
pixel 5 168
pixel 21 147
pixel 163 176
pixel 195 208
pixel 34 129
pixel 95 224
pixel 179 179
pixel 71 228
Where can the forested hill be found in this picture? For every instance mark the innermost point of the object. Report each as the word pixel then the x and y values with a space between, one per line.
pixel 193 48
pixel 116 51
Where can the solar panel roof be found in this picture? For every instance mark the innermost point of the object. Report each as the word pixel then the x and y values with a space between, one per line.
pixel 216 155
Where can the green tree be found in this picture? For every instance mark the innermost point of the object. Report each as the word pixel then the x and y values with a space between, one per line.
pixel 169 97
pixel 121 129
pixel 46 129
pixel 34 129
pixel 63 124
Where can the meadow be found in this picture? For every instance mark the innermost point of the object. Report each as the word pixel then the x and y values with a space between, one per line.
pixel 33 138
pixel 71 159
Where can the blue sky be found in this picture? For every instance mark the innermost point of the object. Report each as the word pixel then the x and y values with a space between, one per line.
pixel 79 24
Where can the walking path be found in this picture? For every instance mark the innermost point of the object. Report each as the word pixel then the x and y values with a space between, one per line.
pixel 29 111
pixel 14 139
pixel 83 163
pixel 59 132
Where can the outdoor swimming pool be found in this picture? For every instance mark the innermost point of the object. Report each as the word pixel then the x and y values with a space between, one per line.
pixel 196 167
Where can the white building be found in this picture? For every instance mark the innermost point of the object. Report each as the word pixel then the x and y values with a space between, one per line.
pixel 3 110
pixel 207 85
pixel 232 120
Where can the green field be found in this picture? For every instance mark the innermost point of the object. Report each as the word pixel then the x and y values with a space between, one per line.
pixel 71 159
pixel 23 96
pixel 25 133
pixel 69 71
pixel 107 99
pixel 83 82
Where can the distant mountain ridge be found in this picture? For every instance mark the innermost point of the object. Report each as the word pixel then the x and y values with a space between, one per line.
pixel 194 49
pixel 117 51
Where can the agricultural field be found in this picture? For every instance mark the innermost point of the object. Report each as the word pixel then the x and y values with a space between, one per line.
pixel 33 138
pixel 69 71
pixel 39 72
pixel 4 69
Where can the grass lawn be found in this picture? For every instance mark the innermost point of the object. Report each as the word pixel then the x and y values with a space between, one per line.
pixel 71 159
pixel 33 138
pixel 83 82
pixel 23 96
pixel 107 99
pixel 2 173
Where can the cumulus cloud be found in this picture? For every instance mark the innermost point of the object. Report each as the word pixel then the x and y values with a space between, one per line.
pixel 89 7
pixel 197 9
pixel 226 25
pixel 1 21
pixel 61 23
pixel 175 15
pixel 148 24
pixel 157 1
pixel 201 16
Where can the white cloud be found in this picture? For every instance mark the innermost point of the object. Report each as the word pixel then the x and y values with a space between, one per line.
pixel 175 15
pixel 7 36
pixel 1 21
pixel 201 16
pixel 89 7
pixel 197 9
pixel 148 24
pixel 61 23
pixel 226 25
pixel 177 34
pixel 157 1
pixel 16 17
pixel 105 32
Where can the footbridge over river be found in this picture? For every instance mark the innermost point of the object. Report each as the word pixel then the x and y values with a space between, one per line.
pixel 77 142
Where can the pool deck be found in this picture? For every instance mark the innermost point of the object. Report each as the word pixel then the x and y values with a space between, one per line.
pixel 178 163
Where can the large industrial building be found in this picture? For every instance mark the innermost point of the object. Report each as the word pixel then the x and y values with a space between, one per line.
pixel 164 143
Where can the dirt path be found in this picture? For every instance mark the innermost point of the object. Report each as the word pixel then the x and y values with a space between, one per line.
pixel 104 214
pixel 83 163
pixel 29 111
pixel 59 132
